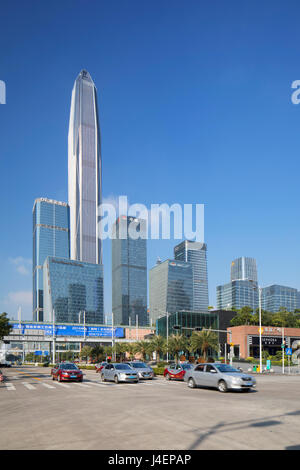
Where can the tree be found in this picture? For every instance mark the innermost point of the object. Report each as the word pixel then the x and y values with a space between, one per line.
pixel 177 344
pixel 244 317
pixel 86 352
pixel 121 349
pixel 142 347
pixel 158 345
pixel 203 341
pixel 5 327
pixel 98 352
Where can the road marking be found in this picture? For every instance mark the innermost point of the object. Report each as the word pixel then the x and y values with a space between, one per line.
pixel 29 386
pixel 99 385
pixel 47 385
pixel 82 385
pixel 63 385
pixel 10 386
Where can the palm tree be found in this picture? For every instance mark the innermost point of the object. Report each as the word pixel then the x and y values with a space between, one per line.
pixel 142 347
pixel 86 352
pixel 176 344
pixel 158 345
pixel 121 349
pixel 130 348
pixel 203 340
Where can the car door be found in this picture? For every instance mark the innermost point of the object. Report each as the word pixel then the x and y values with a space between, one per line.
pixel 55 370
pixel 106 371
pixel 210 376
pixel 198 375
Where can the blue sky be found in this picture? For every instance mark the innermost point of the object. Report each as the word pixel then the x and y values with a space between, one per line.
pixel 195 107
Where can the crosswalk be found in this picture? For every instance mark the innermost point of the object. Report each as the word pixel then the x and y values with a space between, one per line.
pixel 17 383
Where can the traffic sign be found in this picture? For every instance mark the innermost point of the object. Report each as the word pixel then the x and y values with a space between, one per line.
pixel 288 351
pixel 260 330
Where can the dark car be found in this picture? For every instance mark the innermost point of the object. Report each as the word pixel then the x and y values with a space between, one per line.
pixel 177 371
pixel 66 371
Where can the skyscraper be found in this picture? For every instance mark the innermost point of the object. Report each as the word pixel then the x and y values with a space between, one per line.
pixel 84 171
pixel 129 272
pixel 244 269
pixel 242 290
pixel 71 288
pixel 51 237
pixel 196 254
pixel 170 288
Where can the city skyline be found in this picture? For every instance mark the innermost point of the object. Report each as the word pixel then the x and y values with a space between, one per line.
pixel 161 130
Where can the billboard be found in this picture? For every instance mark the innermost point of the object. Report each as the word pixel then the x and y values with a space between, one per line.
pixel 70 330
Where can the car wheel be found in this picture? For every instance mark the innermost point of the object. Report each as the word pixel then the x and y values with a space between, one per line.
pixel 116 379
pixel 53 377
pixel 191 383
pixel 168 377
pixel 80 380
pixel 102 378
pixel 222 387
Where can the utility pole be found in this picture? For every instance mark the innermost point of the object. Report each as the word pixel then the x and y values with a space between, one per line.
pixel 53 330
pixel 260 330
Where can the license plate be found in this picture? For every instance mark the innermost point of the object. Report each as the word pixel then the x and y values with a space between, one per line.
pixel 73 376
pixel 132 377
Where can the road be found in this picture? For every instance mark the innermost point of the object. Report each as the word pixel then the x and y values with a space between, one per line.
pixel 37 413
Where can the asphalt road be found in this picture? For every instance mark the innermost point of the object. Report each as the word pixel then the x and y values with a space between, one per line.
pixel 37 413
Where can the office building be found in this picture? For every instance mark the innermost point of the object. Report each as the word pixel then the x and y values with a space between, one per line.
pixel 51 237
pixel 196 254
pixel 84 171
pixel 129 271
pixel 73 290
pixel 244 269
pixel 275 297
pixel 170 288
pixel 237 294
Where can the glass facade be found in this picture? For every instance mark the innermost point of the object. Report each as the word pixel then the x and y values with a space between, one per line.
pixel 196 254
pixel 186 320
pixel 237 294
pixel 170 288
pixel 129 272
pixel 244 269
pixel 51 237
pixel 84 171
pixel 71 287
pixel 274 297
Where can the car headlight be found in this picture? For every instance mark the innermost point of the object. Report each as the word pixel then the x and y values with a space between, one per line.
pixel 122 375
pixel 236 380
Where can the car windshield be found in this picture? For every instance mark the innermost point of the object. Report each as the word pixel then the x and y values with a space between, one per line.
pixel 122 367
pixel 225 368
pixel 138 365
pixel 68 366
pixel 186 366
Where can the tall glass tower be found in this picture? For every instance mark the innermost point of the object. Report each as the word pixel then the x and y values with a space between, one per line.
pixel 196 254
pixel 51 237
pixel 244 269
pixel 84 171
pixel 129 272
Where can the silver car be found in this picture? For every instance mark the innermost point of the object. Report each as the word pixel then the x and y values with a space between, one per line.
pixel 119 373
pixel 143 371
pixel 220 376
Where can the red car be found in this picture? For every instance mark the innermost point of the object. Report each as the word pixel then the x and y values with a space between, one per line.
pixel 1 377
pixel 99 367
pixel 66 371
pixel 176 371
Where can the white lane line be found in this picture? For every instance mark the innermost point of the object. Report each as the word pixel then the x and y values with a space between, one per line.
pixel 63 385
pixel 47 385
pixel 99 385
pixel 82 385
pixel 29 386
pixel 10 386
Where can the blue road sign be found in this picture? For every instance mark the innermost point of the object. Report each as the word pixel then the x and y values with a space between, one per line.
pixel 288 351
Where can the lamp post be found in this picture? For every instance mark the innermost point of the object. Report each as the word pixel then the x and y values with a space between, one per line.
pixel 260 329
pixel 53 331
